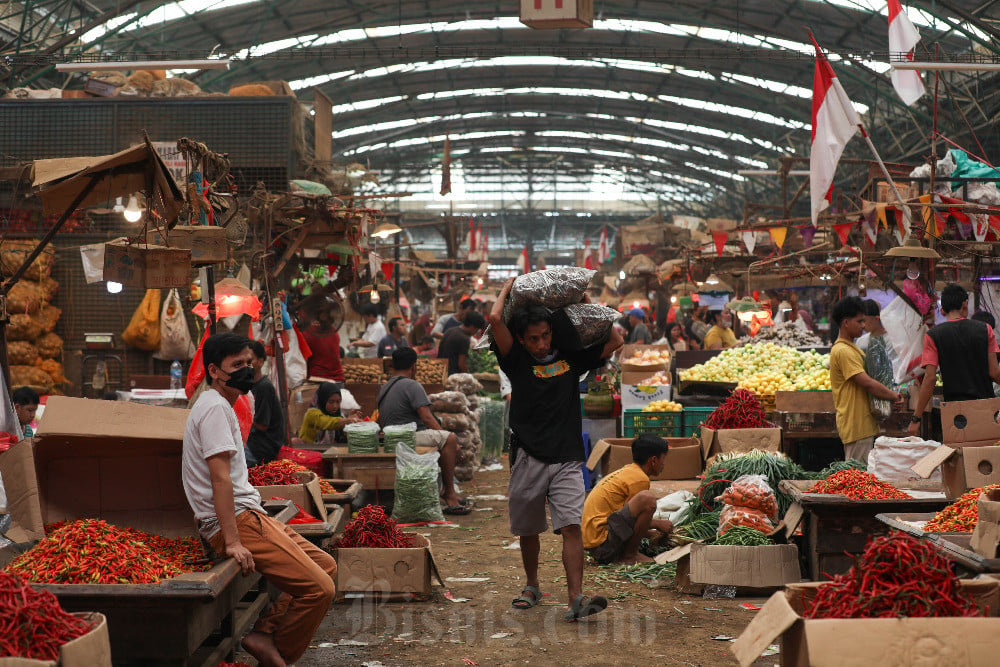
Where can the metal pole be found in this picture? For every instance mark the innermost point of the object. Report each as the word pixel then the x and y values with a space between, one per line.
pixel 210 279
pixel 907 215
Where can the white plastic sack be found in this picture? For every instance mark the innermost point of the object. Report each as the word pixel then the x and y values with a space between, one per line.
pixel 296 370
pixel 905 331
pixel 175 337
pixel 674 507
pixel 348 403
pixel 891 458
pixel 93 262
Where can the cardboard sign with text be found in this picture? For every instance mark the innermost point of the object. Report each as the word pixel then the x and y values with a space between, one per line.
pixel 636 397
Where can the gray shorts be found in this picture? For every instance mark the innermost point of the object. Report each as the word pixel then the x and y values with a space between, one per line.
pixel 621 527
pixel 532 482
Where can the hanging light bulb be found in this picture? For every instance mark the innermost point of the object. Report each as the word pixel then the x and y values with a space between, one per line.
pixel 621 275
pixel 113 287
pixel 119 205
pixel 132 211
pixel 374 298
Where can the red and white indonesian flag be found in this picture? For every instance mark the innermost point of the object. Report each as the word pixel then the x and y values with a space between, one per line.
pixel 523 263
pixel 834 122
pixel 471 242
pixel 902 38
pixel 603 252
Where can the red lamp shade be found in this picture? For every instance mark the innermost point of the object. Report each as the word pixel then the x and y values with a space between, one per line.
pixel 231 298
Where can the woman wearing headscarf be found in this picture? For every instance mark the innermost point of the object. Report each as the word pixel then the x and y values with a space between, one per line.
pixel 323 424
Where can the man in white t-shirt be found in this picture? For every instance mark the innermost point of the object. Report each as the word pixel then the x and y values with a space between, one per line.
pixel 374 332
pixel 230 516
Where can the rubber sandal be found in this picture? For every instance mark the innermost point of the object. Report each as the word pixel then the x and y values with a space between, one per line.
pixel 456 510
pixel 523 601
pixel 584 606
pixel 462 501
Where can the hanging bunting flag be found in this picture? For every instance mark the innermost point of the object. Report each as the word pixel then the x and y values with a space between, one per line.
pixel 964 229
pixel 470 241
pixel 750 241
pixel 720 241
pixel 778 235
pixel 387 268
pixel 603 252
pixel 446 167
pixel 523 263
pixel 484 246
pixel 843 229
pixel 980 225
pixel 870 225
pixel 808 233
pixel 588 258
pixel 374 263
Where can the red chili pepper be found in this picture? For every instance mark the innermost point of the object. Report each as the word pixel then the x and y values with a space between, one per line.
pixel 741 410
pixel 372 528
pixel 858 485
pixel 897 576
pixel 961 516
pixel 32 624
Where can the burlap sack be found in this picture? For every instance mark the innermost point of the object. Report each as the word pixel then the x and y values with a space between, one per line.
pixel 47 318
pixel 23 327
pixel 13 252
pixel 50 346
pixel 22 353
pixel 30 376
pixel 27 296
pixel 54 369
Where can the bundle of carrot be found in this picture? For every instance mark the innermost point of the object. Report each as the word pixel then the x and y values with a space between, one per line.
pixel 961 516
pixel 858 485
pixel 897 576
pixel 34 625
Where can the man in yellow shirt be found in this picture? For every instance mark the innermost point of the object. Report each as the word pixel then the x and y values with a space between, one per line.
pixel 721 335
pixel 852 385
pixel 619 511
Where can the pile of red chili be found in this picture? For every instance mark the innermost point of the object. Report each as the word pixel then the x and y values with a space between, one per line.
pixel 91 551
pixel 961 516
pixel 897 576
pixel 33 624
pixel 281 472
pixel 372 528
pixel 858 485
pixel 741 410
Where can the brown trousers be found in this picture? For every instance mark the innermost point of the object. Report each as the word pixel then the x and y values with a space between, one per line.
pixel 304 573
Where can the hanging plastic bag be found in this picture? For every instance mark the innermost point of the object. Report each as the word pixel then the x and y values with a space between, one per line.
pixel 143 331
pixel 905 331
pixel 879 367
pixel 416 498
pixel 175 337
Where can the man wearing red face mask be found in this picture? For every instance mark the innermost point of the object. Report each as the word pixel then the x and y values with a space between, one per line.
pixel 230 516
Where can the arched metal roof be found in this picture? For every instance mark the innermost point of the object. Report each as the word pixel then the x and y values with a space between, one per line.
pixel 675 97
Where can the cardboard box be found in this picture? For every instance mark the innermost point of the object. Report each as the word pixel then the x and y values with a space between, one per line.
pixel 970 423
pixel 307 494
pixel 739 440
pixel 17 469
pixel 636 397
pixel 638 378
pixel 986 536
pixel 750 569
pixel 683 459
pixel 112 460
pixel 146 266
pixel 100 87
pixel 91 650
pixel 557 14
pixel 804 401
pixel 962 468
pixel 871 641
pixel 207 244
pixel 386 572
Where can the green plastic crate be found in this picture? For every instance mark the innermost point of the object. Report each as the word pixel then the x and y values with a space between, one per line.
pixel 693 418
pixel 663 424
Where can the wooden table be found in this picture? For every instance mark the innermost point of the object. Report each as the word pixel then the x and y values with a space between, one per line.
pixel 835 528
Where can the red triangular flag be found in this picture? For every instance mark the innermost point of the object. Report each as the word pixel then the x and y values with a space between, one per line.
pixel 387 268
pixel 843 229
pixel 720 241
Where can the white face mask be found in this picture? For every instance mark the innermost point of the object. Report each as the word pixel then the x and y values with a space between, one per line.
pixel 547 359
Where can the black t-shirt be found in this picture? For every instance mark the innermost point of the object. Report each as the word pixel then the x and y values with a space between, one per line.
pixel 267 410
pixel 454 344
pixel 545 402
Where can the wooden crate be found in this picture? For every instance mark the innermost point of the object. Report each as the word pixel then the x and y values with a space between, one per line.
pixel 836 528
pixel 375 472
